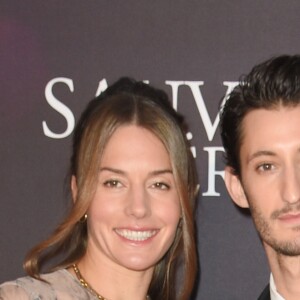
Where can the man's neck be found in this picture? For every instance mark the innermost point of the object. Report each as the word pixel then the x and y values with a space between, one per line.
pixel 286 273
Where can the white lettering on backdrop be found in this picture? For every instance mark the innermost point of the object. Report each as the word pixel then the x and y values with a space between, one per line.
pixel 60 108
pixel 209 126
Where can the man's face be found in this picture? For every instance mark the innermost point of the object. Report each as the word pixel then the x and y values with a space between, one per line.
pixel 270 175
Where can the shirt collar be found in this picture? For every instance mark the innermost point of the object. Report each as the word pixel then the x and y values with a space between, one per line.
pixel 273 291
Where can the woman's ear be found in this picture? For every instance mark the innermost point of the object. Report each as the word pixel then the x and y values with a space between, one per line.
pixel 235 188
pixel 74 188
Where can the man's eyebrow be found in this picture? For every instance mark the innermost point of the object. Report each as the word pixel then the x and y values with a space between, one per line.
pixel 261 153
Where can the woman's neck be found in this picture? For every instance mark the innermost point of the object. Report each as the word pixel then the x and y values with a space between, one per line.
pixel 113 281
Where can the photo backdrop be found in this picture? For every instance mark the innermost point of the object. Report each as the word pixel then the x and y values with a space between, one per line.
pixel 55 56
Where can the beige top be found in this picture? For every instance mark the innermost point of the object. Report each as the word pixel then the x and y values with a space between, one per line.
pixel 62 286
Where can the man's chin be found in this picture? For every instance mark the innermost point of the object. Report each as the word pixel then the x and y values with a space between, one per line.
pixel 286 248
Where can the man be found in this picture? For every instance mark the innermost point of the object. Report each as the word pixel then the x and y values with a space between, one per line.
pixel 260 129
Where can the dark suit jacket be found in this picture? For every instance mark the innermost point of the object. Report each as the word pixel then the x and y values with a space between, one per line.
pixel 265 295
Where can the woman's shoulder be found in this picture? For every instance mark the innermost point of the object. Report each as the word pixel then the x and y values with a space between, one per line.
pixel 59 284
pixel 11 290
pixel 23 288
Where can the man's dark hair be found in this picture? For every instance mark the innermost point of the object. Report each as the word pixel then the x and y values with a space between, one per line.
pixel 273 83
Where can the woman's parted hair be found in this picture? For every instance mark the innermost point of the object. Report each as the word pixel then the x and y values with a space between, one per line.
pixel 127 102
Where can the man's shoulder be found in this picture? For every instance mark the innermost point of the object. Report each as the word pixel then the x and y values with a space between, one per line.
pixel 265 295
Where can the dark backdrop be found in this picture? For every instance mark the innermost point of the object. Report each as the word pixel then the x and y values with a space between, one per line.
pixel 56 55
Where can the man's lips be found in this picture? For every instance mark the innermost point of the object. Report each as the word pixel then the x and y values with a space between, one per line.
pixel 290 217
pixel 136 235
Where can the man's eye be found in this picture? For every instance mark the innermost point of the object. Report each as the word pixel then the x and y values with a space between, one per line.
pixel 161 186
pixel 265 167
pixel 112 183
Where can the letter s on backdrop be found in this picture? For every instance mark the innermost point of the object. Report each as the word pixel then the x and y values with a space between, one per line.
pixel 60 108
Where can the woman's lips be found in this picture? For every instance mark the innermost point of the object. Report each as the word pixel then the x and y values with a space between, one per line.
pixel 136 235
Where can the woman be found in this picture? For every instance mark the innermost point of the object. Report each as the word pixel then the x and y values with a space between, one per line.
pixel 133 184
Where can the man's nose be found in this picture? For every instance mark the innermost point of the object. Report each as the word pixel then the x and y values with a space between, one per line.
pixel 291 185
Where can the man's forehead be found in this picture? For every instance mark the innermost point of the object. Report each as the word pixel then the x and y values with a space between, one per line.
pixel 263 129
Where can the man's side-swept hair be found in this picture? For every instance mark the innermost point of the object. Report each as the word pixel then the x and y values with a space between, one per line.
pixel 273 83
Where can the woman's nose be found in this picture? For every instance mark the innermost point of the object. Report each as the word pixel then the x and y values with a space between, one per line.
pixel 138 202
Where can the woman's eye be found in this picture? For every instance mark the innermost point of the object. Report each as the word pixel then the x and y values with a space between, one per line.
pixel 161 186
pixel 112 183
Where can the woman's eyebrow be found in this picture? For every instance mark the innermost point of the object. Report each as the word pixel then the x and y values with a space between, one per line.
pixel 163 171
pixel 121 172
pixel 113 170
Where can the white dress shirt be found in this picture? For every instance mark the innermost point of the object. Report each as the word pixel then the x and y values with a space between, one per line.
pixel 273 291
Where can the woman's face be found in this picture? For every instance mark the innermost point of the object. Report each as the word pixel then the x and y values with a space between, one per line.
pixel 133 217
